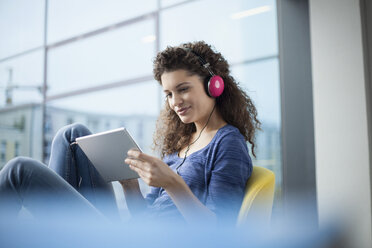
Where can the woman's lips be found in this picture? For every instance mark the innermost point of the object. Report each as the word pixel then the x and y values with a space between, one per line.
pixel 183 111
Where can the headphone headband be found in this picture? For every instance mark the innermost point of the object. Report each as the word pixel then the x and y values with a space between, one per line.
pixel 214 85
pixel 204 63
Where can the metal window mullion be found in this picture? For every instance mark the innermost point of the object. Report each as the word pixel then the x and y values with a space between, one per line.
pixel 45 79
pixel 14 56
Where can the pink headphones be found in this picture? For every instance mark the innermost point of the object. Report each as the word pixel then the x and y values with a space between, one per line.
pixel 214 85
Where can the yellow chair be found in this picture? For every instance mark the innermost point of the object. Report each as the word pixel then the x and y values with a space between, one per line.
pixel 258 199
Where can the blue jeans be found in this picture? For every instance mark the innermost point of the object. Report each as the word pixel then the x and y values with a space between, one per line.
pixel 70 185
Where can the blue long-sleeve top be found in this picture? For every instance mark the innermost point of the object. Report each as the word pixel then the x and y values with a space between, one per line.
pixel 216 174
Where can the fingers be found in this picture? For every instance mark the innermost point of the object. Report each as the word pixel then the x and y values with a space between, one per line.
pixel 134 153
pixel 132 162
pixel 141 173
pixel 136 163
pixel 140 160
pixel 144 175
pixel 150 169
pixel 142 168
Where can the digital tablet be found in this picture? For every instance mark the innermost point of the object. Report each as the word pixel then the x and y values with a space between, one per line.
pixel 107 152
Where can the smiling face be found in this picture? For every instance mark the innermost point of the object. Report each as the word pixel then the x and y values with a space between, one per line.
pixel 186 96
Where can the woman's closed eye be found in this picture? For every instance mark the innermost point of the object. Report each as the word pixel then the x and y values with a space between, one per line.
pixel 180 90
pixel 168 95
pixel 183 89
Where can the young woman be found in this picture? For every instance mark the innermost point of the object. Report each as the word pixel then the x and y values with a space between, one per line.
pixel 201 135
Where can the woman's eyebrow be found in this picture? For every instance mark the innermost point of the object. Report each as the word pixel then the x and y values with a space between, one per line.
pixel 179 85
pixel 182 84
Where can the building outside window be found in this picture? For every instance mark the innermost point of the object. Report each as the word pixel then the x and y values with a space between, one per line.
pixel 3 151
pixel 16 149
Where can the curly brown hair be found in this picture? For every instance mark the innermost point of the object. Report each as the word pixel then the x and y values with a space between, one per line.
pixel 234 105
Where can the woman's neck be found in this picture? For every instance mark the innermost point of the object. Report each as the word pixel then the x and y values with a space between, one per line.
pixel 215 122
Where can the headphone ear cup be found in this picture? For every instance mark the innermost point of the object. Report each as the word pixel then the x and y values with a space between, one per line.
pixel 215 86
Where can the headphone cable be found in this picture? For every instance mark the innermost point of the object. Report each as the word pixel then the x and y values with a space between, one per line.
pixel 188 147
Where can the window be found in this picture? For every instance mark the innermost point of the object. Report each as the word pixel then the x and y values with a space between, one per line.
pixel 123 106
pixel 240 30
pixel 22 26
pixel 85 15
pixel 108 58
pixel 261 82
pixel 21 79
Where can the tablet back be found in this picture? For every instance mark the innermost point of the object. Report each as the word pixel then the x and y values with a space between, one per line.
pixel 107 152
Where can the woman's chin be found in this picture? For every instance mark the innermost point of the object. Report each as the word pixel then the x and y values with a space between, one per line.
pixel 185 120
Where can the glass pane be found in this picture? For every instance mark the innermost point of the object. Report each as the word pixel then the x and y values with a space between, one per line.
pixel 135 107
pixel 110 57
pixel 87 15
pixel 21 79
pixel 21 26
pixel 239 29
pixel 261 82
pixel 20 132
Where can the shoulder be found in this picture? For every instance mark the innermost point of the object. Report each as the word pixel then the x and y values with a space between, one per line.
pixel 230 143
pixel 230 154
pixel 170 158
pixel 230 136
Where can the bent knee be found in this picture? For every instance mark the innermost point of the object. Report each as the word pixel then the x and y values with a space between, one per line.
pixel 75 127
pixel 73 131
pixel 19 164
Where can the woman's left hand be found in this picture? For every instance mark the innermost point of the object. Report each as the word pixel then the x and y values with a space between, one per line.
pixel 152 170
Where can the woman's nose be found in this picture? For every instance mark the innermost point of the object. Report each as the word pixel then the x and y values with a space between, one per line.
pixel 177 100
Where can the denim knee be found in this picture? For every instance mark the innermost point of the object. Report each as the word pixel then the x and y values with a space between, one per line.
pixel 20 165
pixel 72 131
